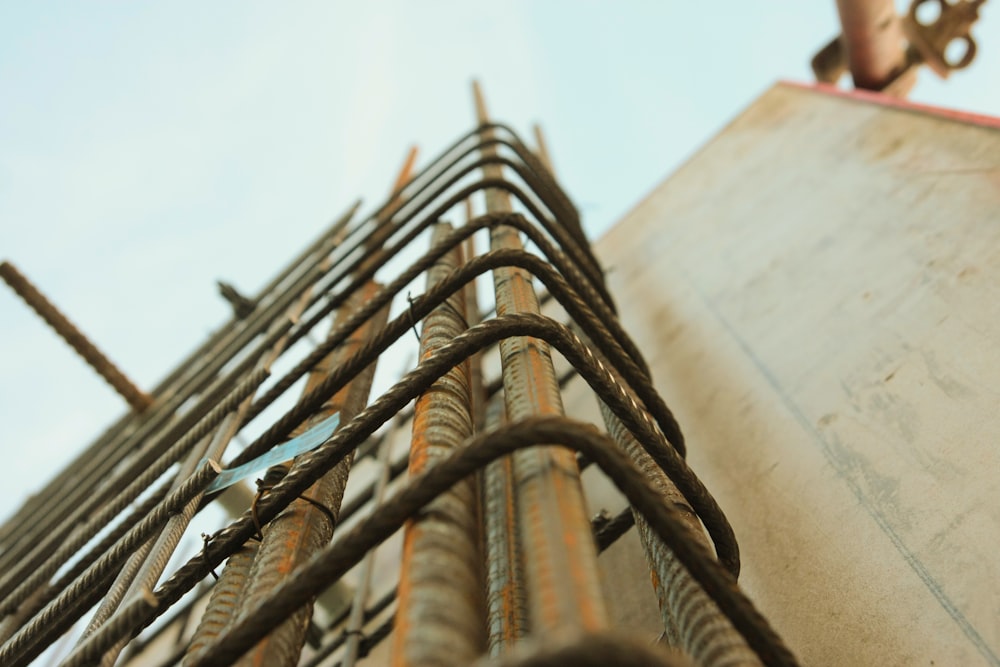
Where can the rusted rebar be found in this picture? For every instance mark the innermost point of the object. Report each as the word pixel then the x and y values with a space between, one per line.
pixel 524 573
pixel 691 620
pixel 440 615
pixel 530 432
pixel 96 359
pixel 558 551
pixel 308 523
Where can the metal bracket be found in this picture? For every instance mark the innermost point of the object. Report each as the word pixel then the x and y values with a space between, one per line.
pixel 928 43
pixel 931 40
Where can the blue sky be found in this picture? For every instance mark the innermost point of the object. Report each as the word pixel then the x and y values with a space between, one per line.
pixel 149 149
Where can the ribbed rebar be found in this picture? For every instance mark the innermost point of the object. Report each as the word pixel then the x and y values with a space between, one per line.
pixel 90 650
pixel 440 616
pixel 692 622
pixel 47 558
pixel 356 617
pixel 506 594
pixel 336 559
pixel 305 526
pixel 134 396
pixel 478 337
pixel 24 646
pixel 224 600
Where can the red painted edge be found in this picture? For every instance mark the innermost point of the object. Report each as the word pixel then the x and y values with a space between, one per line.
pixel 897 103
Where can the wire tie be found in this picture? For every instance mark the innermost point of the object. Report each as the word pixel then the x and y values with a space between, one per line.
pixel 262 490
pixel 322 508
pixel 207 539
pixel 413 320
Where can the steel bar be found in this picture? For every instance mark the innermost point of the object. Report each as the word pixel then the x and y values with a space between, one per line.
pixel 606 533
pixel 691 621
pixel 102 479
pixel 120 586
pixel 173 399
pixel 45 593
pixel 371 612
pixel 64 623
pixel 560 560
pixel 392 401
pixel 23 645
pixel 506 594
pixel 532 431
pixel 303 528
pixel 714 521
pixel 17 589
pixel 134 396
pixel 170 537
pixel 669 460
pixel 228 592
pixel 90 651
pixel 225 598
pixel 356 618
pixel 108 439
pixel 663 415
pixel 440 617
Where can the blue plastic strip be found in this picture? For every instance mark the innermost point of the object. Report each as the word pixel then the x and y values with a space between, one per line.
pixel 308 441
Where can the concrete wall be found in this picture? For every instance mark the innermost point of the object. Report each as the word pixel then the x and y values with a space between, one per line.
pixel 818 293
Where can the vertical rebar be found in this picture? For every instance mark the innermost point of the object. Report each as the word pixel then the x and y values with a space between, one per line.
pixel 90 650
pixel 224 600
pixel 228 591
pixel 559 551
pixel 440 616
pixel 306 525
pixel 691 620
pixel 356 619
pixel 506 597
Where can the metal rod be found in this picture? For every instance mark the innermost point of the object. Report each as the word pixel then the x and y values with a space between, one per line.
pixel 691 620
pixel 134 396
pixel 873 39
pixel 506 594
pixel 356 619
pixel 90 650
pixel 329 565
pixel 440 617
pixel 306 525
pixel 559 554
pixel 47 558
pixel 229 591
pixel 88 470
pixel 24 646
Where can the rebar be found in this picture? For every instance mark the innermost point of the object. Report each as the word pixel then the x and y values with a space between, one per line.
pixel 343 553
pixel 440 617
pixel 499 561
pixel 134 396
pixel 46 558
pixel 306 525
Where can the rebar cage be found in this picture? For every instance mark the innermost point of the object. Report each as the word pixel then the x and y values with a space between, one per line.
pixel 468 455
